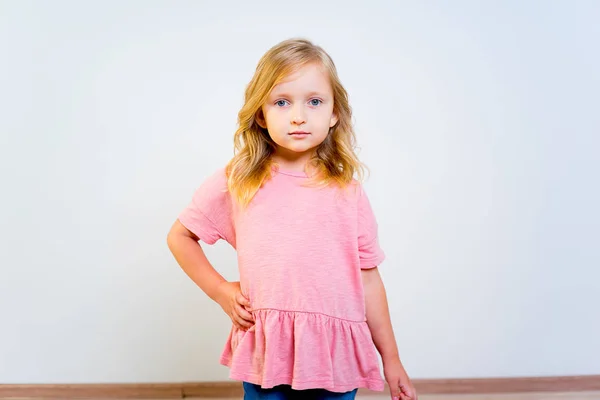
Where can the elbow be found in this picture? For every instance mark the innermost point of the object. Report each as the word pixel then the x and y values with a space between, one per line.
pixel 172 237
pixel 170 240
pixel 178 234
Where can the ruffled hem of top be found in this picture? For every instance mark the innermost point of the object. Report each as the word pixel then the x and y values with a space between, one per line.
pixel 304 350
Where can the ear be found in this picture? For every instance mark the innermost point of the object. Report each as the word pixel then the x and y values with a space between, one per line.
pixel 333 120
pixel 260 119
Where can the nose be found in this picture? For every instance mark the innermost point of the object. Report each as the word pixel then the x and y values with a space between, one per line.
pixel 298 117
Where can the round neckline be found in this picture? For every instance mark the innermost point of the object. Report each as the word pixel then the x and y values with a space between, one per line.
pixel 299 174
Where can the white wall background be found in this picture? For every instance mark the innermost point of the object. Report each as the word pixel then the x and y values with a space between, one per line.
pixel 480 123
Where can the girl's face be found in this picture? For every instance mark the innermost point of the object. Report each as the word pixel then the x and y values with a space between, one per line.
pixel 298 114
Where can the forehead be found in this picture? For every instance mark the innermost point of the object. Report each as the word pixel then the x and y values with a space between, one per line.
pixel 308 79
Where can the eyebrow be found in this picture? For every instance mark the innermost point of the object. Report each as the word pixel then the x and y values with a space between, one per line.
pixel 311 94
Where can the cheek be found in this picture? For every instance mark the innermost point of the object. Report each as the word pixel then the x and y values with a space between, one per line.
pixel 271 116
pixel 325 118
pixel 277 120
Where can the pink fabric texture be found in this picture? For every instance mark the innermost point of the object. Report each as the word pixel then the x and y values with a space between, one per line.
pixel 300 253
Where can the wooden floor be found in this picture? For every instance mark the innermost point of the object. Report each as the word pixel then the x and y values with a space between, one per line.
pixel 516 396
pixel 513 396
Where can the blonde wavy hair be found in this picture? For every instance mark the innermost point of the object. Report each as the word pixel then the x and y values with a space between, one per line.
pixel 334 161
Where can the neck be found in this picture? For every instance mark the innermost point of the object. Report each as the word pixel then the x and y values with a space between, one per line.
pixel 292 161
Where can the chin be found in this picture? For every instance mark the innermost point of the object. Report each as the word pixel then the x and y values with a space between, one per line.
pixel 301 149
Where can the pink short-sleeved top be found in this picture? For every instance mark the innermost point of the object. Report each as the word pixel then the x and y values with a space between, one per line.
pixel 300 253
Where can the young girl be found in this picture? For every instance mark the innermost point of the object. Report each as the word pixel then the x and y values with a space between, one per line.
pixel 310 309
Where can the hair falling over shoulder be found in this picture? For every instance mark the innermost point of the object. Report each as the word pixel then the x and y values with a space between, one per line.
pixel 334 161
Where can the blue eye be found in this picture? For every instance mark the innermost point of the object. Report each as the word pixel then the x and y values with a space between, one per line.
pixel 280 103
pixel 315 102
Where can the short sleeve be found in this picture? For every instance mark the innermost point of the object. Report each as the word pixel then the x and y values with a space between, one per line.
pixel 209 215
pixel 370 253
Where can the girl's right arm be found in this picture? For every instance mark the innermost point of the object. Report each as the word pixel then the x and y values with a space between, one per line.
pixel 187 251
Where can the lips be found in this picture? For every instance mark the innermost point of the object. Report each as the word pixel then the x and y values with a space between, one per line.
pixel 299 133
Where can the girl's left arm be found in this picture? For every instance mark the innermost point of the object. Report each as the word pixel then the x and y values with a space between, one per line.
pixel 380 325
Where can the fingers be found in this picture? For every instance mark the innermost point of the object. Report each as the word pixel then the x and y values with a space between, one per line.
pixel 400 396
pixel 245 315
pixel 404 392
pixel 241 299
pixel 411 393
pixel 407 393
pixel 242 323
pixel 237 325
pixel 241 316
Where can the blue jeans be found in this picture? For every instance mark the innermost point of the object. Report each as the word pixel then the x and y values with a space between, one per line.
pixel 285 392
